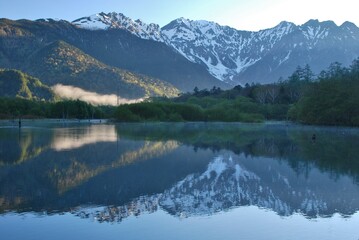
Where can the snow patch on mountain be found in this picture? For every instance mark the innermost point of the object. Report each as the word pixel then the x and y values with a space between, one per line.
pixel 285 59
pixel 93 22
pixel 103 21
pixel 228 53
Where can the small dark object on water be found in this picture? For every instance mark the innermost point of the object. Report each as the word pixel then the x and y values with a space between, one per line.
pixel 314 137
pixel 19 122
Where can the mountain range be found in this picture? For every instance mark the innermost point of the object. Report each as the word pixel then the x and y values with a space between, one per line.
pixel 111 62
pixel 109 53
pixel 239 57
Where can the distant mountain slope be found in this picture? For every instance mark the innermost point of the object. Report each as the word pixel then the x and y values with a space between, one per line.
pixel 15 83
pixel 121 49
pixel 60 62
pixel 236 56
pixel 263 56
pixel 21 40
pixel 103 21
pixel 185 53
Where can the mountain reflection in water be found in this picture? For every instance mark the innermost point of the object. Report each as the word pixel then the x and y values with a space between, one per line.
pixel 184 169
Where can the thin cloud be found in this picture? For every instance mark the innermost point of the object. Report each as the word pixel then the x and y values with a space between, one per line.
pixel 75 93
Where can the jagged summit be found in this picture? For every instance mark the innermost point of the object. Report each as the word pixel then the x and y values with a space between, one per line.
pixel 264 56
pixel 104 21
pixel 49 20
pixel 239 57
pixel 316 22
pixel 349 25
pixel 236 56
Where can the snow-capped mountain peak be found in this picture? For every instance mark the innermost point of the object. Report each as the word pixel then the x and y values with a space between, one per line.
pixel 93 22
pixel 239 57
pixel 103 21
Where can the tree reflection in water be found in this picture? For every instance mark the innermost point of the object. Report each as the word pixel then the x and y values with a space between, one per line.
pixel 184 169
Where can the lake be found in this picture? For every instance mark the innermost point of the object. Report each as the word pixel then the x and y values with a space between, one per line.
pixel 178 181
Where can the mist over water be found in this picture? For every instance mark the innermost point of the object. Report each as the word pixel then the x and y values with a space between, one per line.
pixel 75 93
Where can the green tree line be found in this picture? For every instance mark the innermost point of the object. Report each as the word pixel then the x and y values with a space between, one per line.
pixel 195 109
pixel 19 107
pixel 327 99
pixel 331 98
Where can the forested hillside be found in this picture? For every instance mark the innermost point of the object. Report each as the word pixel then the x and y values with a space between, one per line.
pixel 328 99
pixel 15 83
pixel 331 100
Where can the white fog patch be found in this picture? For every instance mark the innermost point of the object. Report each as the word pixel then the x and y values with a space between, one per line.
pixel 75 93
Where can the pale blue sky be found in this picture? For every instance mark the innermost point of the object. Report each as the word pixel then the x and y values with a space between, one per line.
pixel 240 14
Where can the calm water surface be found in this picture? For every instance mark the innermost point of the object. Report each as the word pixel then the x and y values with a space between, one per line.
pixel 178 181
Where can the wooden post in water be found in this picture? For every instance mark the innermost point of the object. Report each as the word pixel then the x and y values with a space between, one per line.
pixel 118 93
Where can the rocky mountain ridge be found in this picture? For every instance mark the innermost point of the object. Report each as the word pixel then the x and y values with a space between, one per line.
pixel 114 20
pixel 58 52
pixel 238 57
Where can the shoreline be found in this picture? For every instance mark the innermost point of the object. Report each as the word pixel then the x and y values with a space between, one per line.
pixel 40 121
pixel 31 122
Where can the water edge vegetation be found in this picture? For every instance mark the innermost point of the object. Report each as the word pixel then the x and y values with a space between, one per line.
pixel 327 99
